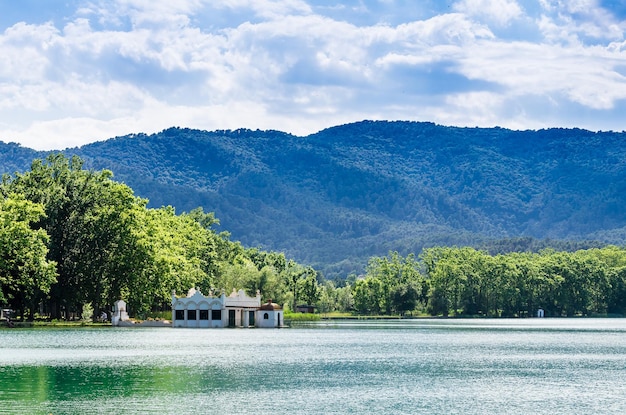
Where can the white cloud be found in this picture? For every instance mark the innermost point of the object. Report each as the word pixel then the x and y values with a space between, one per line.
pixel 129 66
pixel 482 108
pixel 576 20
pixel 501 12
pixel 269 9
pixel 23 48
pixel 586 75
pixel 142 13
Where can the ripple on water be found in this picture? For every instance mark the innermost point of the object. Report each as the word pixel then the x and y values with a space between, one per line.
pixel 436 366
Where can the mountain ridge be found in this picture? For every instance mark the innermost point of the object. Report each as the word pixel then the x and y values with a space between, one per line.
pixel 345 193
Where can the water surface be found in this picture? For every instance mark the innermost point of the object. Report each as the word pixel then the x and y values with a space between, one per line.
pixel 538 366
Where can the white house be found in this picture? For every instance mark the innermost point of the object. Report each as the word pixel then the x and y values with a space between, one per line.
pixel 270 315
pixel 236 310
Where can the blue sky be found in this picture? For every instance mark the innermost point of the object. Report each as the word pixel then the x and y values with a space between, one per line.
pixel 78 71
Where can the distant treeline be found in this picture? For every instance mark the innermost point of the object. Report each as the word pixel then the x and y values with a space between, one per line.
pixel 465 281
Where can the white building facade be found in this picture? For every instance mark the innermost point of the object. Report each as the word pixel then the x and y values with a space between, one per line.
pixel 269 315
pixel 237 310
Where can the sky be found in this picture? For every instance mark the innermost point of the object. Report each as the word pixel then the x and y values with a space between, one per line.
pixel 78 71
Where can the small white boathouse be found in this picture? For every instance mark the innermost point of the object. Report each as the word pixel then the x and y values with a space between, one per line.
pixel 235 310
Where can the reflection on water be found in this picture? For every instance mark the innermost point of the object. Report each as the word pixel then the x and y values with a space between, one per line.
pixel 539 366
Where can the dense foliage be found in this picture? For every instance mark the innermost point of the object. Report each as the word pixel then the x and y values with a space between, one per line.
pixel 71 237
pixel 451 281
pixel 25 271
pixel 470 282
pixel 338 197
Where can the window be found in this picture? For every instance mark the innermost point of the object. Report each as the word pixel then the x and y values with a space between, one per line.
pixel 180 315
pixel 266 316
pixel 216 314
pixel 191 314
pixel 204 314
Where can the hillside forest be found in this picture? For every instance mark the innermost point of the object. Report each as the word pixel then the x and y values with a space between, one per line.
pixel 335 198
pixel 73 239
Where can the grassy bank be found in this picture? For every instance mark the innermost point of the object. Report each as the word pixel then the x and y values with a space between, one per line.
pixel 55 323
pixel 295 317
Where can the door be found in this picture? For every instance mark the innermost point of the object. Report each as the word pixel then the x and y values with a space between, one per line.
pixel 231 318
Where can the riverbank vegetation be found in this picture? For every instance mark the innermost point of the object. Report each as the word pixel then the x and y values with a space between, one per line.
pixel 73 239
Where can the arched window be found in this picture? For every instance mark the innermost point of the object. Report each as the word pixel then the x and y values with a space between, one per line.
pixel 266 316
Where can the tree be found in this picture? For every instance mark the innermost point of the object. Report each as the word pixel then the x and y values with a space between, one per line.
pixel 292 276
pixel 25 273
pixel 616 298
pixel 368 294
pixel 212 247
pixel 174 247
pixel 401 281
pixel 404 297
pixel 345 300
pixel 447 279
pixel 90 220
pixel 114 254
pixel 308 288
pixel 328 298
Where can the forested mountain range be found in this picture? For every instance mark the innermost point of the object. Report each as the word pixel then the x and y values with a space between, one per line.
pixel 335 198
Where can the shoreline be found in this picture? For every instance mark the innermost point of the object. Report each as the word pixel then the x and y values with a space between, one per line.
pixel 312 318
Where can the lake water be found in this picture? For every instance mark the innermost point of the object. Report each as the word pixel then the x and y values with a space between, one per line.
pixel 533 366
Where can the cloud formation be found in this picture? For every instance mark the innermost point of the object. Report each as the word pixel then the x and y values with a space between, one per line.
pixel 95 69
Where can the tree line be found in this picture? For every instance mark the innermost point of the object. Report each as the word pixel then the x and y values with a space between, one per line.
pixel 72 238
pixel 463 281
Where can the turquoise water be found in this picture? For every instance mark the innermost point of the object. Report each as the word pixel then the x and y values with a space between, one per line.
pixel 534 366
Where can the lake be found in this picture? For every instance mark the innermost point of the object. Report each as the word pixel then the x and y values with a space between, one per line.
pixel 447 366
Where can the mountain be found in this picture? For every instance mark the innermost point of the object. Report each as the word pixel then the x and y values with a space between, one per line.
pixel 335 198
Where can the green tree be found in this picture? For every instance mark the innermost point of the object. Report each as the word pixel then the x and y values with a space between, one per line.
pixel 212 247
pixel 92 223
pixel 344 298
pixel 240 273
pixel 174 247
pixel 616 298
pixel 328 298
pixel 308 287
pixel 447 280
pixel 404 297
pixel 113 254
pixel 292 276
pixel 401 279
pixel 268 282
pixel 25 273
pixel 107 245
pixel 368 294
